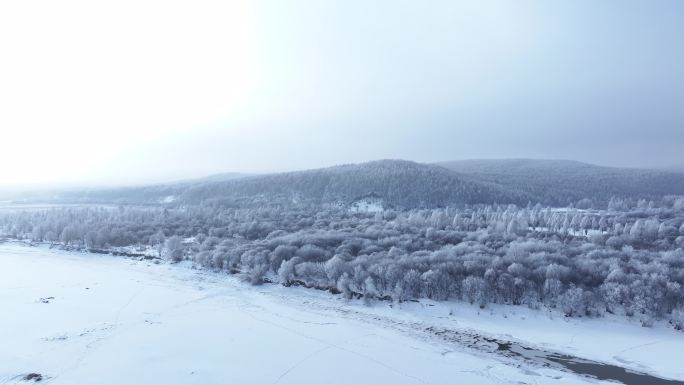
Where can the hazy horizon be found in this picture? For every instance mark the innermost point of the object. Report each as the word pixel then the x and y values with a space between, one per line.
pixel 68 185
pixel 147 92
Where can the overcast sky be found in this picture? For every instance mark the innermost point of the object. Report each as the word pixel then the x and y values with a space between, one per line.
pixel 120 92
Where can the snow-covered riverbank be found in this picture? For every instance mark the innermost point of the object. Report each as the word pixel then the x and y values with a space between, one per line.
pixel 96 319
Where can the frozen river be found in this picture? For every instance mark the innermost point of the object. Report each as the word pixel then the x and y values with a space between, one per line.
pixel 71 318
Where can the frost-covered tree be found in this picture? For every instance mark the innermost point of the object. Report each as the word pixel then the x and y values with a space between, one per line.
pixel 173 249
pixel 157 240
pixel 630 264
pixel 286 272
pixel 473 289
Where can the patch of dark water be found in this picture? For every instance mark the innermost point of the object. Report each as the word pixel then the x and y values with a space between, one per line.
pixel 588 368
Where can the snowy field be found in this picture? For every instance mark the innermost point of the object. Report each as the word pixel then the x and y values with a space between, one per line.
pixel 95 319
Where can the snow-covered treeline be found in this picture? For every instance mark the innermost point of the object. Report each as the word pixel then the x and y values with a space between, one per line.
pixel 626 260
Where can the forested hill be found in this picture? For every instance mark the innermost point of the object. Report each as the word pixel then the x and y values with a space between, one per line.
pixel 395 183
pixel 392 183
pixel 401 184
pixel 560 182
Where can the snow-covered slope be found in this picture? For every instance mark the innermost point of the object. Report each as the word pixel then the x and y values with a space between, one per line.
pixel 95 319
pixel 560 182
pixel 399 183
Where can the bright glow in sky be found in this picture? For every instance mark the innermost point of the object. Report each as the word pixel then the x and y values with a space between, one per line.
pixel 83 80
pixel 143 91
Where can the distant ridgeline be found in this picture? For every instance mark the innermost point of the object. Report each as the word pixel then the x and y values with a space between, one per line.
pixel 562 182
pixel 402 184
